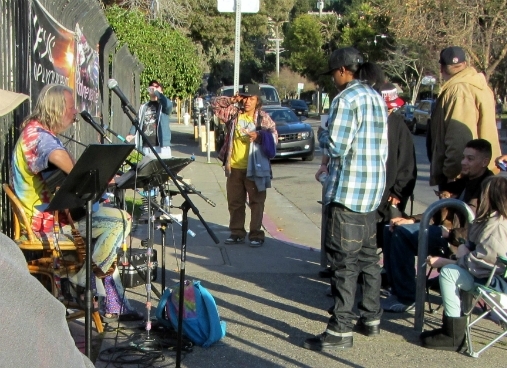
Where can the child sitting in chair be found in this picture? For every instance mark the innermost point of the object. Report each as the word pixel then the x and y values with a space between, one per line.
pixel 487 239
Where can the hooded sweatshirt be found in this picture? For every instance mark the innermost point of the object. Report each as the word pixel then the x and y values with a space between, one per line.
pixel 465 110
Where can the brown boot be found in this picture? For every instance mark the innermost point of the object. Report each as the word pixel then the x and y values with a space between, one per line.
pixel 450 337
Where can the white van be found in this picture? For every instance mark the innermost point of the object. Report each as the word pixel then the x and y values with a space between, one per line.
pixel 269 94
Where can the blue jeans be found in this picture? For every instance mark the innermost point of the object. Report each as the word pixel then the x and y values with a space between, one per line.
pixel 351 250
pixel 400 250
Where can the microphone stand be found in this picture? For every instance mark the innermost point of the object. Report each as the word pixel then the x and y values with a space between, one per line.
pixel 186 206
pixel 72 140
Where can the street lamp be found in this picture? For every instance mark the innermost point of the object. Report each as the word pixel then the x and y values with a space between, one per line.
pixel 381 36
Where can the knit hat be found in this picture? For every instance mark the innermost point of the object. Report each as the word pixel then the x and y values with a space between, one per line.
pixel 452 55
pixel 390 95
pixel 345 56
pixel 9 101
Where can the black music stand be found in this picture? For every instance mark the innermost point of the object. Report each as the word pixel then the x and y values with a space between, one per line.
pixel 85 184
pixel 150 171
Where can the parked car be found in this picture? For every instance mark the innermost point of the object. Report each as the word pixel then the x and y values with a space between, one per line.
pixel 269 97
pixel 408 112
pixel 295 138
pixel 422 116
pixel 299 107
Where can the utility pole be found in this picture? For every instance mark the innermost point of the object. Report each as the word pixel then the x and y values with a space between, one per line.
pixel 237 43
pixel 277 51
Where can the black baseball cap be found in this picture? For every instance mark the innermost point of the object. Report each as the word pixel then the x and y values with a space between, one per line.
pixel 452 55
pixel 345 56
pixel 251 89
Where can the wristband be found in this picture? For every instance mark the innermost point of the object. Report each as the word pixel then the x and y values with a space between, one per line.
pixel 323 164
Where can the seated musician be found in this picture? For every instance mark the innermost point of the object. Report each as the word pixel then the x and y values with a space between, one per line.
pixel 401 238
pixel 37 153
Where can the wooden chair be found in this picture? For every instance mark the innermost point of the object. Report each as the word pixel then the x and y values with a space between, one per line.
pixel 43 266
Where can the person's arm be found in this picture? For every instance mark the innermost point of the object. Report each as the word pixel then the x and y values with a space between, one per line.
pixel 224 108
pixel 406 172
pixel 341 130
pixel 165 103
pixel 61 159
pixel 460 122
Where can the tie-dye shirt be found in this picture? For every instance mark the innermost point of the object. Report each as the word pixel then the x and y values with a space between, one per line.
pixel 30 165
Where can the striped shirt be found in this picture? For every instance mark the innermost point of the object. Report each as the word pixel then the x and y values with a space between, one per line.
pixel 356 141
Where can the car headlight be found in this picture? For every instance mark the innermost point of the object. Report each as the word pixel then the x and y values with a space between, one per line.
pixel 304 135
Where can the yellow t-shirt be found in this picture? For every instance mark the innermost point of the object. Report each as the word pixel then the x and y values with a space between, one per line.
pixel 241 141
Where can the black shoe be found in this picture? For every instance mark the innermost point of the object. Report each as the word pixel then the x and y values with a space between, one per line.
pixel 326 273
pixel 326 341
pixel 367 330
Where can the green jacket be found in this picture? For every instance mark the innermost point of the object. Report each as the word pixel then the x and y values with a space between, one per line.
pixel 465 110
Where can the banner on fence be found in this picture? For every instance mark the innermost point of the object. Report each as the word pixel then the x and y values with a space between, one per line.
pixel 53 51
pixel 87 75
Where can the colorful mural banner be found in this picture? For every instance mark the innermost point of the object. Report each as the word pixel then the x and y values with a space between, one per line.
pixel 87 75
pixel 52 51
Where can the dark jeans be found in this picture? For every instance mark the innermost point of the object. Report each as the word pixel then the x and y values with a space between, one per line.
pixel 352 252
pixel 400 250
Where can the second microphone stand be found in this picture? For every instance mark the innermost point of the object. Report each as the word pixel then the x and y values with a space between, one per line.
pixel 186 206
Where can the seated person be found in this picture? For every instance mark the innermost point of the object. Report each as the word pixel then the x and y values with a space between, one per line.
pixel 400 239
pixel 37 153
pixel 29 338
pixel 475 259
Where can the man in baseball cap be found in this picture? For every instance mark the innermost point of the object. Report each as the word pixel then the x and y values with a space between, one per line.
pixel 9 101
pixel 452 55
pixel 465 110
pixel 346 56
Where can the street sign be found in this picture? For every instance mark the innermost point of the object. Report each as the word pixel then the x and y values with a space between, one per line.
pixel 229 6
pixel 301 86
pixel 428 80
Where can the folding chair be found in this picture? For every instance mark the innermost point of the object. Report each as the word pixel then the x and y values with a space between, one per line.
pixel 496 303
pixel 25 238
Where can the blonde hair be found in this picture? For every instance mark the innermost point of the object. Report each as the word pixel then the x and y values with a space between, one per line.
pixel 50 107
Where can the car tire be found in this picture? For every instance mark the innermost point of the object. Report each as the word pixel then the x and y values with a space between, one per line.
pixel 309 157
pixel 414 129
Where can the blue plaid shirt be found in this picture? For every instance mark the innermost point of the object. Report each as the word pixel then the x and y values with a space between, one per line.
pixel 356 141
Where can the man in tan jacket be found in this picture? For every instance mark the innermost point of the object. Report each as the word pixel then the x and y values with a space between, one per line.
pixel 465 110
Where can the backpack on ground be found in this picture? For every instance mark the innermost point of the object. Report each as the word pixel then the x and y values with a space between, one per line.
pixel 201 321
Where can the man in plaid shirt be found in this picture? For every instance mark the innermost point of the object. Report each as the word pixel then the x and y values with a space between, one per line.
pixel 356 142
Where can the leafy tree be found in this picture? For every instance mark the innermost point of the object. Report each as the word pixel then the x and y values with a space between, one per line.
pixel 479 26
pixel 287 83
pixel 301 7
pixel 166 54
pixel 304 43
pixel 408 64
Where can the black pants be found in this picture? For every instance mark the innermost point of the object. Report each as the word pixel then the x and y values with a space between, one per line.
pixel 351 248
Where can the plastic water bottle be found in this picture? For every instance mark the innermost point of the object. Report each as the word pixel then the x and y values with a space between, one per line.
pixel 323 177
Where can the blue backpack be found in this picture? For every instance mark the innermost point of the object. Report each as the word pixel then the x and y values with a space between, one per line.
pixel 201 322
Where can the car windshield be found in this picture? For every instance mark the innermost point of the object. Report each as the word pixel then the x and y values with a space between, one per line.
pixel 410 108
pixel 299 103
pixel 283 116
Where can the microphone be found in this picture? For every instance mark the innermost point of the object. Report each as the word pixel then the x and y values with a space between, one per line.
pixel 112 84
pixel 88 118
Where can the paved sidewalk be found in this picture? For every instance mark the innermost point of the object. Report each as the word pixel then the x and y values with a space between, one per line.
pixel 271 297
